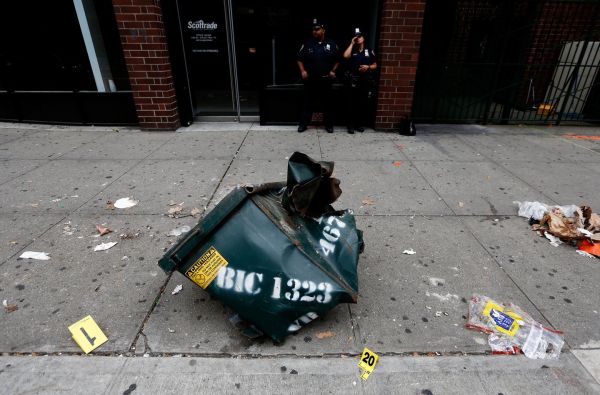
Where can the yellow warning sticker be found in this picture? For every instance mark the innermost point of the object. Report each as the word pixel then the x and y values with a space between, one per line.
pixel 206 268
pixel 87 334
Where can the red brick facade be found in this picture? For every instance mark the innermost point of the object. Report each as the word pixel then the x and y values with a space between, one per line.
pixel 399 43
pixel 145 48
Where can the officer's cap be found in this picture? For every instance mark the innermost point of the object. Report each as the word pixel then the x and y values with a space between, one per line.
pixel 357 32
pixel 317 23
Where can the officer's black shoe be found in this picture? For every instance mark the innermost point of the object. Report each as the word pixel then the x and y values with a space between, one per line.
pixel 301 128
pixel 350 130
pixel 329 129
pixel 359 129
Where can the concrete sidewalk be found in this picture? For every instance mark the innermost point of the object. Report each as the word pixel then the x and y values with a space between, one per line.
pixel 447 193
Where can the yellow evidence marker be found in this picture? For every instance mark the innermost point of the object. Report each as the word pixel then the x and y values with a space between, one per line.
pixel 367 363
pixel 87 334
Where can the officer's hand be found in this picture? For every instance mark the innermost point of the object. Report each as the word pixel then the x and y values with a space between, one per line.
pixel 332 74
pixel 363 68
pixel 304 75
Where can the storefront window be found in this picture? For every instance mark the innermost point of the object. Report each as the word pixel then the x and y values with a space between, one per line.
pixel 42 47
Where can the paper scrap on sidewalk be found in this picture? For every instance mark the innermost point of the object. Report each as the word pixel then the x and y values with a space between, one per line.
pixel 179 231
pixel 126 203
pixel 196 212
pixel 103 230
pixel 409 252
pixel 175 210
pixel 87 334
pixel 325 335
pixel 9 308
pixel 105 246
pixel 555 241
pixel 177 289
pixel 42 256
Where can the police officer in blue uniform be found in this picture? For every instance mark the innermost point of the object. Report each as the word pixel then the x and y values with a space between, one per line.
pixel 360 80
pixel 318 60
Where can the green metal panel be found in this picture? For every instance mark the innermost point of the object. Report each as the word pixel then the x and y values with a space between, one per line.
pixel 278 270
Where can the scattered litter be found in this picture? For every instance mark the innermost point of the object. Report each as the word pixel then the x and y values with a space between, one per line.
pixel 397 163
pixel 129 235
pixel 196 212
pixel 177 289
pixel 13 243
pixel 42 256
pixel 589 247
pixel 576 225
pixel 513 327
pixel 68 229
pixel 437 282
pixel 175 210
pixel 33 204
pixel 56 200
pixel 442 298
pixel 103 230
pixel 581 136
pixel 173 203
pixel 110 205
pixel 9 308
pixel 125 258
pixel 461 204
pixel 125 203
pixel 537 210
pixel 586 254
pixel 325 335
pixel 105 246
pixel 438 313
pixel 171 330
pixel 555 241
pixel 409 252
pixel 368 202
pixel 179 231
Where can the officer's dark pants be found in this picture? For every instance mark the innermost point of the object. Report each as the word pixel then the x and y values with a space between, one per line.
pixel 317 93
pixel 357 93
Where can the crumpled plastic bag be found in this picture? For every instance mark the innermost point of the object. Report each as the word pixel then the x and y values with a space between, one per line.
pixel 537 210
pixel 512 327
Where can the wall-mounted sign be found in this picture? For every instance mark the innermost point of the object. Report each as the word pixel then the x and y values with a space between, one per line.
pixel 204 36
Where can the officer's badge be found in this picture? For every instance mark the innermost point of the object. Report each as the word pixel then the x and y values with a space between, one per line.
pixel 328 47
pixel 367 53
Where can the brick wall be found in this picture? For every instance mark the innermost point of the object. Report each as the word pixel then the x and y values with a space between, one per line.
pixel 399 42
pixel 146 55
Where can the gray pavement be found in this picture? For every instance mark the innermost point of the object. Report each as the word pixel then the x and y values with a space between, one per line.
pixel 447 193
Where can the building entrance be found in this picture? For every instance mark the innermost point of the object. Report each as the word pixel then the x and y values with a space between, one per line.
pixel 236 59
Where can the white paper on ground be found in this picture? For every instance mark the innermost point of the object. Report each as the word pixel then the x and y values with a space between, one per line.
pixel 555 241
pixel 177 289
pixel 179 231
pixel 409 252
pixel 126 203
pixel 105 246
pixel 42 256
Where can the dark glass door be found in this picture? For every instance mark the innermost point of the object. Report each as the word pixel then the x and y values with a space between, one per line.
pixel 206 30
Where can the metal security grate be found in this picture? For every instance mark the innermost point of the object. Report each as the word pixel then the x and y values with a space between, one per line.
pixel 509 61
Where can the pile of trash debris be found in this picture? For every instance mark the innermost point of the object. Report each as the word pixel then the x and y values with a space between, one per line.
pixel 512 330
pixel 576 225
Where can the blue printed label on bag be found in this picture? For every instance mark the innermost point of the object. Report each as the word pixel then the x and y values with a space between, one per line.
pixel 502 320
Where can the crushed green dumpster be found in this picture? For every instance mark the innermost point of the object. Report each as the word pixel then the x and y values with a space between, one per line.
pixel 277 254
